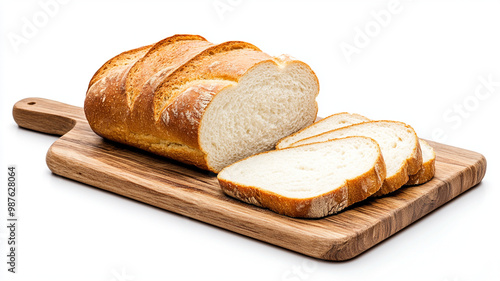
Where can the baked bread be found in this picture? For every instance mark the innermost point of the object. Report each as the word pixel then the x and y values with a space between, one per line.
pixel 426 173
pixel 329 123
pixel 200 103
pixel 398 142
pixel 308 181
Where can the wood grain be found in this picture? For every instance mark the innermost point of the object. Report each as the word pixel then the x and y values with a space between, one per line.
pixel 83 156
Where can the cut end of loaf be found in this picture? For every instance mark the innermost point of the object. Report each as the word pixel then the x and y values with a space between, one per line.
pixel 269 102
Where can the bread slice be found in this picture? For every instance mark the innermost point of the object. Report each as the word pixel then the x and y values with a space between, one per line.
pixel 398 142
pixel 426 173
pixel 308 181
pixel 329 123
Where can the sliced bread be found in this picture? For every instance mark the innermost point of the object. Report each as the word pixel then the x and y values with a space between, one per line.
pixel 398 142
pixel 329 123
pixel 308 181
pixel 426 173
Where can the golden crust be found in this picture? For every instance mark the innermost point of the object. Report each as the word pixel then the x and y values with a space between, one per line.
pixel 106 103
pixel 330 203
pixel 174 53
pixel 426 173
pixel 353 191
pixel 119 60
pixel 161 60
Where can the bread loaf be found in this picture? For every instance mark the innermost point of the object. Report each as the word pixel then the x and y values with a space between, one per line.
pixel 201 103
pixel 308 181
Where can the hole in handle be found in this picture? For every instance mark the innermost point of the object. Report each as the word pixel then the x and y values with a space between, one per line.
pixel 31 103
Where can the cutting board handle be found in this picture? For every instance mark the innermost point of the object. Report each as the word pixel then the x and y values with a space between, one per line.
pixel 47 116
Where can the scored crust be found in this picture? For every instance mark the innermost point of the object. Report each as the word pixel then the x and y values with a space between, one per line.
pixel 352 191
pixel 122 59
pixel 160 61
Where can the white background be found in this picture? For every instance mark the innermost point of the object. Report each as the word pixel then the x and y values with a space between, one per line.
pixel 423 64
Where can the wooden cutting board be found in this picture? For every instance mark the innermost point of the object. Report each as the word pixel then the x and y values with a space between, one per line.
pixel 83 156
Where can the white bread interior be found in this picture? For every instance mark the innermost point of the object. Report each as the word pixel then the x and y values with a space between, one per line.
pixel 269 102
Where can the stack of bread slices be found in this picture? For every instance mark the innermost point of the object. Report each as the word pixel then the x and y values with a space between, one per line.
pixel 333 163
